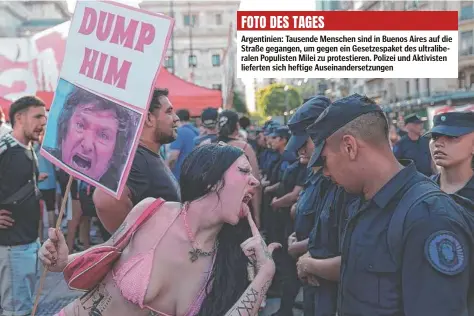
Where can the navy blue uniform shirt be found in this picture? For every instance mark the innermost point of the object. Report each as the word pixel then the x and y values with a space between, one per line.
pixel 433 277
pixel 306 205
pixel 294 175
pixel 268 158
pixel 276 174
pixel 418 151
pixel 467 191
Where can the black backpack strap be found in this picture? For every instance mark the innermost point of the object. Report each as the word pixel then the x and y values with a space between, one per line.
pixel 414 195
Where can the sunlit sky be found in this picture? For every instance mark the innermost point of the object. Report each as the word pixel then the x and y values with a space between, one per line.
pixel 72 3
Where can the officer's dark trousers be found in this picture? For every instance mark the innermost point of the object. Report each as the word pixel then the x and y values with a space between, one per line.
pixel 321 300
pixel 291 286
pixel 287 264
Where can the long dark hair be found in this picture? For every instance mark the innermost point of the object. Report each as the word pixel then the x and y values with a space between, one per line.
pixel 227 124
pixel 202 172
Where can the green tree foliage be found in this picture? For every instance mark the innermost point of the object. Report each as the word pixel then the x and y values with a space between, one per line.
pixel 239 103
pixel 274 100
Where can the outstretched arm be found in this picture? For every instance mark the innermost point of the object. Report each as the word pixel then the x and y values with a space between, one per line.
pixel 54 252
pixel 261 258
pixel 249 303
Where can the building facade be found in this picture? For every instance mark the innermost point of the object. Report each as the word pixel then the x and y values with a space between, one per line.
pixel 397 92
pixel 200 38
pixel 25 18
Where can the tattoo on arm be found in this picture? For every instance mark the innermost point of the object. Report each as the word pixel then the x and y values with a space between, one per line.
pixel 247 304
pixel 265 288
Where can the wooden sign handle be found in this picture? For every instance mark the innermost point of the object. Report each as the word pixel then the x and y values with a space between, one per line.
pixel 58 227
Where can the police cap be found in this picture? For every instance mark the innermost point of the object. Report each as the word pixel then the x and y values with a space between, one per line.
pixel 304 116
pixel 413 118
pixel 337 115
pixel 270 128
pixel 453 124
pixel 281 131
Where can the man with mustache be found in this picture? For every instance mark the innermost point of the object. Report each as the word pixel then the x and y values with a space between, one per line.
pixel 149 175
pixel 19 206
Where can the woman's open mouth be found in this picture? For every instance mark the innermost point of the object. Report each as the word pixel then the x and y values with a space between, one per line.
pixel 247 198
pixel 244 210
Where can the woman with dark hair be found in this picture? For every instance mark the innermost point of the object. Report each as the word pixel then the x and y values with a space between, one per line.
pixel 452 150
pixel 228 132
pixel 187 259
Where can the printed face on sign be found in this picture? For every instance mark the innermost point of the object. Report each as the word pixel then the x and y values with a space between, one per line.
pixel 90 140
pixel 90 134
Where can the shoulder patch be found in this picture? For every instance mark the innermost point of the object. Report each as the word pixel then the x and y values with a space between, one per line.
pixel 445 253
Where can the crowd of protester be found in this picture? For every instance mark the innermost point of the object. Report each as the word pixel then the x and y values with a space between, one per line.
pixel 336 182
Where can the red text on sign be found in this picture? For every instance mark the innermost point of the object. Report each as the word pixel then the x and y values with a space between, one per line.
pixel 95 69
pixel 105 29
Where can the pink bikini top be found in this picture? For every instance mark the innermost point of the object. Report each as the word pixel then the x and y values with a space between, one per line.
pixel 133 276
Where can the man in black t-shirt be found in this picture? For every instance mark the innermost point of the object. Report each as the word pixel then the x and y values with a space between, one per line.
pixel 20 206
pixel 149 176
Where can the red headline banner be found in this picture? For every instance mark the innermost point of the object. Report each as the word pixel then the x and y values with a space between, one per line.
pixel 347 20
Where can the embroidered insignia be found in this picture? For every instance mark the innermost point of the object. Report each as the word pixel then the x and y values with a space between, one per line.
pixel 443 118
pixel 445 253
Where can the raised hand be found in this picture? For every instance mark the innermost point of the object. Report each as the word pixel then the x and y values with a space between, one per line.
pixel 54 252
pixel 257 250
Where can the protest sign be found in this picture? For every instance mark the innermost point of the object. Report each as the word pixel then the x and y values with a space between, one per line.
pixel 112 59
pixel 347 44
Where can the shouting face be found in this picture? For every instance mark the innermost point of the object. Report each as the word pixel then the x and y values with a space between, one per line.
pixel 90 141
pixel 239 189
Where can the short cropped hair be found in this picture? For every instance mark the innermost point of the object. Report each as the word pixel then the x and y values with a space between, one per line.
pixel 183 115
pixel 155 99
pixel 371 127
pixel 22 105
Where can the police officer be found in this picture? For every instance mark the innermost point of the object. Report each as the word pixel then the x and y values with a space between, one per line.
pixel 415 147
pixel 452 149
pixel 322 262
pixel 271 221
pixel 292 182
pixel 269 156
pixel 423 269
pixel 319 296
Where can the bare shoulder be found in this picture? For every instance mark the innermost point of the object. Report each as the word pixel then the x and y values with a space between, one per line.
pixel 168 209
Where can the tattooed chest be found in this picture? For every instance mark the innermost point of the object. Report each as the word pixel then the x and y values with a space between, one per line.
pixel 96 301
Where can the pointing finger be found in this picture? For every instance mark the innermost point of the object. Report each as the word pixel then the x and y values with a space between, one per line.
pixel 253 226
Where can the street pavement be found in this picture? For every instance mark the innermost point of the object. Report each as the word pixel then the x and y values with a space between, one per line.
pixel 55 294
